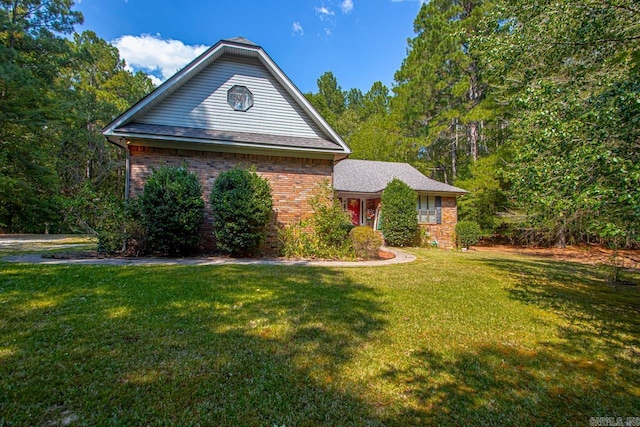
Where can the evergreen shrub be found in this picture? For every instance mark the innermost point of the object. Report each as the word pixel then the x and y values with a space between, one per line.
pixel 468 233
pixel 241 202
pixel 399 217
pixel 171 210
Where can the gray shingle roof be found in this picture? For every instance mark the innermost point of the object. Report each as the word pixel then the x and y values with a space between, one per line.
pixel 366 176
pixel 214 135
pixel 241 40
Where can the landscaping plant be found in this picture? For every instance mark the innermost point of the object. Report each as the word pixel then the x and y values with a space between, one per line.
pixel 400 222
pixel 171 209
pixel 366 242
pixel 468 233
pixel 241 202
pixel 324 234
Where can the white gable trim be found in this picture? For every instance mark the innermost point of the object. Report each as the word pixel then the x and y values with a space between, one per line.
pixel 203 61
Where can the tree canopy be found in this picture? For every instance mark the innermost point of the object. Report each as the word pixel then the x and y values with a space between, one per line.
pixel 533 106
pixel 56 94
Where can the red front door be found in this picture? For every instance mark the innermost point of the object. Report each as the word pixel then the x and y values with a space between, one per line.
pixel 353 206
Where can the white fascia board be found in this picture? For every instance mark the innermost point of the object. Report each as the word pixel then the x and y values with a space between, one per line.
pixel 209 142
pixel 180 77
pixel 301 99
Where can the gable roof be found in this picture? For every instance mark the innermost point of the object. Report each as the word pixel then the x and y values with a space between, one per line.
pixel 144 120
pixel 366 176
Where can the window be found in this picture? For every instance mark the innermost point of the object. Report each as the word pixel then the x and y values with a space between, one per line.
pixel 429 209
pixel 240 98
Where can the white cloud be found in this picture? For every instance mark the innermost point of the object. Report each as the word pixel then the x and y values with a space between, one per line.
pixel 297 28
pixel 327 31
pixel 324 13
pixel 346 6
pixel 156 55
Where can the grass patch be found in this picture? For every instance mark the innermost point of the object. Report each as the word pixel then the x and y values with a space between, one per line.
pixel 21 244
pixel 465 338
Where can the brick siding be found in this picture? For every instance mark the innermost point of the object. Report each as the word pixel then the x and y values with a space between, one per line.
pixel 292 181
pixel 444 233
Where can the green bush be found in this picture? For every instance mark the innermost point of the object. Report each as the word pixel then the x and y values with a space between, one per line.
pixel 423 238
pixel 330 222
pixel 468 233
pixel 325 234
pixel 171 210
pixel 399 218
pixel 99 214
pixel 241 202
pixel 366 242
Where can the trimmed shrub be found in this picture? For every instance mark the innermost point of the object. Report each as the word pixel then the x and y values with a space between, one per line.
pixel 241 202
pixel 171 210
pixel 468 233
pixel 366 242
pixel 399 218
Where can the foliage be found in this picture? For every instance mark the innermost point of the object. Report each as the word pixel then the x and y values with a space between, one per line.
pixel 324 234
pixel 171 210
pixel 58 91
pixel 366 242
pixel 330 222
pixel 241 202
pixel 573 94
pixel 441 89
pixel 30 56
pixel 399 219
pixel 487 202
pixel 310 336
pixel 423 239
pixel 468 233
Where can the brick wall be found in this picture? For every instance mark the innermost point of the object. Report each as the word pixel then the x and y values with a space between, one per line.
pixel 444 232
pixel 292 180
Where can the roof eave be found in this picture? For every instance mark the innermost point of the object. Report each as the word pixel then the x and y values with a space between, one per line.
pixel 121 139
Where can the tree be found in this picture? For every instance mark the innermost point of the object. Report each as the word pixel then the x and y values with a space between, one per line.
pixel 94 87
pixel 30 56
pixel 330 101
pixel 441 92
pixel 568 71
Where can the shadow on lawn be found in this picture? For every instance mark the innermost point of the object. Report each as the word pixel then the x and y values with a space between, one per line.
pixel 191 345
pixel 590 370
pixel 599 315
pixel 507 385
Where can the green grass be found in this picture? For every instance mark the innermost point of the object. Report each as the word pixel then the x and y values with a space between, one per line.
pixel 454 338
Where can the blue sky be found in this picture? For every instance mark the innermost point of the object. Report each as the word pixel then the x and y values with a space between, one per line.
pixel 360 41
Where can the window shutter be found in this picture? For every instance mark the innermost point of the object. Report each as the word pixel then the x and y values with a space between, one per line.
pixel 438 210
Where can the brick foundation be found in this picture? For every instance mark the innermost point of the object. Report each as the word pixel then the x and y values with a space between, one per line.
pixel 444 233
pixel 292 181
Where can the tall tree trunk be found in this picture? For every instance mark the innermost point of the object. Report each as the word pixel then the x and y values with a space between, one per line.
pixel 473 140
pixel 454 150
pixel 474 96
pixel 560 238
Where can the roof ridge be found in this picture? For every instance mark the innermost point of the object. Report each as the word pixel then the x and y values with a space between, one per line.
pixel 240 39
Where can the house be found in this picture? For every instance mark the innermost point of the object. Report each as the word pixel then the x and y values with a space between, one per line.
pixel 359 185
pixel 233 106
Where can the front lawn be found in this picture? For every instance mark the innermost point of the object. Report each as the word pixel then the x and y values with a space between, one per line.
pixel 454 338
